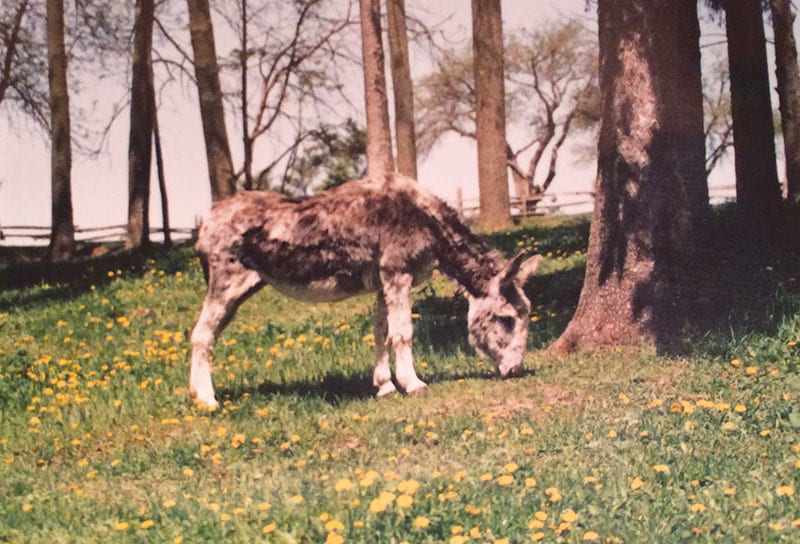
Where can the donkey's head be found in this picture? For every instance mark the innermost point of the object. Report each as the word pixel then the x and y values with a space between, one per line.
pixel 498 320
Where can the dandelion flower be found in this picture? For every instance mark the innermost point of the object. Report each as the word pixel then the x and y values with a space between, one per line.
pixel 698 507
pixel 590 536
pixel 663 469
pixel 297 499
pixel 553 494
pixel 636 483
pixel 570 516
pixel 27 507
pixel 334 538
pixel 146 524
pixel 784 491
pixel 344 485
pixel 268 528
pixel 121 526
pixel 334 525
pixel 421 522
pixel 537 536
pixel 505 480
pixel 405 501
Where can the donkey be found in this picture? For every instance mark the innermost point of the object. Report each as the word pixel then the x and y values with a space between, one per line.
pixel 383 236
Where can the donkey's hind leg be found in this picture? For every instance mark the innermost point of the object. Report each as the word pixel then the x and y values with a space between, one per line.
pixel 229 285
pixel 382 376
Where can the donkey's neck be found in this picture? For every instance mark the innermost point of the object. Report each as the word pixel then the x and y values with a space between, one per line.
pixel 465 256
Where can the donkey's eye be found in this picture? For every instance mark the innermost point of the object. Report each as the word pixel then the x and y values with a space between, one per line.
pixel 506 321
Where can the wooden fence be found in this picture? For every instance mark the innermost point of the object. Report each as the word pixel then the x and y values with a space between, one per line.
pixel 564 202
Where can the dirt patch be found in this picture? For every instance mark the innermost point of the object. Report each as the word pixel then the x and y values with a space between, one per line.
pixel 556 395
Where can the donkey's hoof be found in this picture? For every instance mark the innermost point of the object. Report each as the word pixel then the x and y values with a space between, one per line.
pixel 208 405
pixel 417 389
pixel 386 390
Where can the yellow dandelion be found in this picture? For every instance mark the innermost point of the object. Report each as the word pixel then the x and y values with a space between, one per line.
pixel 751 370
pixel 729 491
pixel 405 501
pixel 146 524
pixel 553 494
pixel 530 482
pixel 27 507
pixel 663 469
pixel 459 539
pixel 334 525
pixel 188 472
pixel 421 522
pixel 268 528
pixel 728 426
pixel 590 536
pixel 511 467
pixel 344 485
pixel 537 536
pixel 698 507
pixel 121 526
pixel 505 480
pixel 169 503
pixel 784 491
pixel 334 538
pixel 636 483
pixel 297 499
pixel 570 516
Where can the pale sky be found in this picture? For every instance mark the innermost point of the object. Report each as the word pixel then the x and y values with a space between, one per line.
pixel 100 186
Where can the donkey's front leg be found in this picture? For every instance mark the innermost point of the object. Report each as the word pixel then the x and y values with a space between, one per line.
pixel 382 376
pixel 397 295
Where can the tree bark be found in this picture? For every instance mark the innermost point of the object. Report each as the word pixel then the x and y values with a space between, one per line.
pixel 758 193
pixel 380 160
pixel 652 195
pixel 490 122
pixel 788 76
pixel 209 91
pixel 403 88
pixel 62 238
pixel 162 182
pixel 141 128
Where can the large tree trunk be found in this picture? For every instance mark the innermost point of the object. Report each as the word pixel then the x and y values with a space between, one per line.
pixel 62 238
pixel 758 193
pixel 380 160
pixel 403 88
pixel 487 46
pixel 652 196
pixel 788 75
pixel 141 128
pixel 209 91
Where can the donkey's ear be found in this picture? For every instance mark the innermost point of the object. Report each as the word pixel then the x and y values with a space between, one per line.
pixel 518 269
pixel 527 269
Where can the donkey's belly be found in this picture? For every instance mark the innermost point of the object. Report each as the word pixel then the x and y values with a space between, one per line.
pixel 326 289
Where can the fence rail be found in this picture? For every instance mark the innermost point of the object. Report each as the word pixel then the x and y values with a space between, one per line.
pixel 566 202
pixel 114 233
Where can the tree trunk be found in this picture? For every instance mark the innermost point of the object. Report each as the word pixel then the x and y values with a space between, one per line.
pixel 758 193
pixel 247 142
pixel 12 42
pixel 141 129
pixel 379 137
pixel 403 89
pixel 162 182
pixel 209 91
pixel 652 196
pixel 788 76
pixel 62 238
pixel 490 123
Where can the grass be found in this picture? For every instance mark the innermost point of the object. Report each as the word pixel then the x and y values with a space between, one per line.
pixel 98 441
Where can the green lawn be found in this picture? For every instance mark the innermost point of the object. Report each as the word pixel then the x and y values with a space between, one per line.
pixel 99 442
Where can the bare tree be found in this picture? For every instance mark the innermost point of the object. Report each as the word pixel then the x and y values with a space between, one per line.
pixel 652 196
pixel 62 238
pixel 788 76
pixel 402 86
pixel 379 136
pixel 551 95
pixel 141 127
pixel 11 42
pixel 490 118
pixel 209 91
pixel 284 64
pixel 717 113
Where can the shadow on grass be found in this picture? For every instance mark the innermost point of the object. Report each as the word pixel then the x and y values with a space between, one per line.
pixel 69 279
